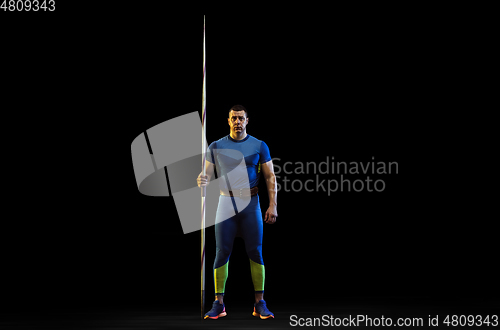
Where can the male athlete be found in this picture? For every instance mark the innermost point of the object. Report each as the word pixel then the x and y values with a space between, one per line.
pixel 246 223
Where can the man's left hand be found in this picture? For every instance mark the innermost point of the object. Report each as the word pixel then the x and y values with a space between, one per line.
pixel 271 214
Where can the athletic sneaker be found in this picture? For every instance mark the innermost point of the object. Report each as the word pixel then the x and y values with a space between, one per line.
pixel 218 310
pixel 260 309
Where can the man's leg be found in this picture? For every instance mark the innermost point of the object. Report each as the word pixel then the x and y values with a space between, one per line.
pixel 252 232
pixel 225 232
pixel 252 229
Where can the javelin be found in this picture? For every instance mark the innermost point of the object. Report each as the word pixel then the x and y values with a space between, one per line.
pixel 203 189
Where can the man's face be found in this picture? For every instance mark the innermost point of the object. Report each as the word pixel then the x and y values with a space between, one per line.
pixel 237 121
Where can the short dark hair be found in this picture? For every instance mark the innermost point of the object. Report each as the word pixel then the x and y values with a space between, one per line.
pixel 239 108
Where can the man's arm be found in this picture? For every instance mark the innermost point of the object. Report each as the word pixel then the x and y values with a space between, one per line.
pixel 268 171
pixel 209 170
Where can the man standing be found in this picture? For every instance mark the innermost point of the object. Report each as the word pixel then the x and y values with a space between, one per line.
pixel 247 223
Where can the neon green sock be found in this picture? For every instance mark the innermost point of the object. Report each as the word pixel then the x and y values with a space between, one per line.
pixel 220 277
pixel 258 275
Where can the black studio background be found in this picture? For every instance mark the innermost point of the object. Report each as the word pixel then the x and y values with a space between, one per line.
pixel 83 86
